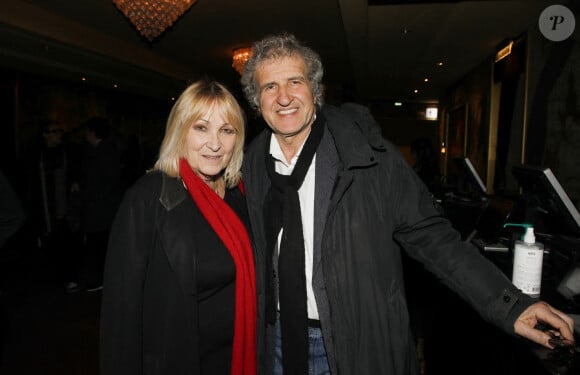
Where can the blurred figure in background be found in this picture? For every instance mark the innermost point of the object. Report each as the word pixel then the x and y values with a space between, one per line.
pixel 12 217
pixel 101 192
pixel 11 212
pixel 53 204
pixel 131 161
pixel 426 163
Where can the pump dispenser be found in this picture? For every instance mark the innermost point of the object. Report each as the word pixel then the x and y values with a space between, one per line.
pixel 528 259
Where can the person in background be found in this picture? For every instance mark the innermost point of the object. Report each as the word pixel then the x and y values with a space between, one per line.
pixel 332 205
pixel 179 293
pixel 12 216
pixel 426 164
pixel 12 213
pixel 51 203
pixel 101 194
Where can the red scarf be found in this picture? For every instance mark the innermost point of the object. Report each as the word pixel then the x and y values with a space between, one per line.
pixel 233 234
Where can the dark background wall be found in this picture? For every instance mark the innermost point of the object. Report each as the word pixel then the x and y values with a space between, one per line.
pixel 537 85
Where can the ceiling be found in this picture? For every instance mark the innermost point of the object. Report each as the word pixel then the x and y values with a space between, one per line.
pixel 383 52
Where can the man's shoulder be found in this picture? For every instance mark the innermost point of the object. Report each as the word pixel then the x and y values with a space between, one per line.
pixel 349 109
pixel 353 127
pixel 354 113
pixel 356 123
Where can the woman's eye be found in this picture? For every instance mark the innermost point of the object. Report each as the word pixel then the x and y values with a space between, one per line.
pixel 199 127
pixel 229 130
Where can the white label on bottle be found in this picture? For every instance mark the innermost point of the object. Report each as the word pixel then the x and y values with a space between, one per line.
pixel 527 271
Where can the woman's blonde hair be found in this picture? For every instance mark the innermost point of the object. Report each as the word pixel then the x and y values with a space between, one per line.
pixel 194 103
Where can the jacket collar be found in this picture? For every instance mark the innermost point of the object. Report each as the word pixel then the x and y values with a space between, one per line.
pixel 356 135
pixel 172 192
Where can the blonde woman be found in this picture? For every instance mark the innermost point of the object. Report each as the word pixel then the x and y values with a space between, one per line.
pixel 179 287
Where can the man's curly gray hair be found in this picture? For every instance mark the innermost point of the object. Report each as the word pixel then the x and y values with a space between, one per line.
pixel 277 46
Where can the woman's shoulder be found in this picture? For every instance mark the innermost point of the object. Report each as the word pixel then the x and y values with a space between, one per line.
pixel 158 187
pixel 147 186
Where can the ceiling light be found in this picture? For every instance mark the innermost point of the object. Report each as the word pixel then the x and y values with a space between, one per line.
pixel 152 17
pixel 240 57
pixel 504 52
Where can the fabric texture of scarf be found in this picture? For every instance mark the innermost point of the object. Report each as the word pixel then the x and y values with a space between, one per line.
pixel 234 235
pixel 282 211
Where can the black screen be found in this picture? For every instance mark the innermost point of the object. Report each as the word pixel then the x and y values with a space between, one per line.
pixel 547 206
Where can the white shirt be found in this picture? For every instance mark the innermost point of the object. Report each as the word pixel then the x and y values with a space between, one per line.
pixel 306 197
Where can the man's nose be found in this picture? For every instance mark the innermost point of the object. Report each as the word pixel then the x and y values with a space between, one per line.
pixel 284 96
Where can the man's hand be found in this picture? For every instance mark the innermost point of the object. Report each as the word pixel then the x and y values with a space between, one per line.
pixel 541 312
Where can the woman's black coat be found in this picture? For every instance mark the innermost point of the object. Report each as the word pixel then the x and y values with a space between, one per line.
pixel 149 310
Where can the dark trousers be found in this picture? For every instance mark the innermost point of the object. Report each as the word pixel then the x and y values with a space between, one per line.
pixel 94 260
pixel 63 248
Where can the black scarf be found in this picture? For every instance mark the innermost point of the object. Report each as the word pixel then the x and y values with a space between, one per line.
pixel 282 210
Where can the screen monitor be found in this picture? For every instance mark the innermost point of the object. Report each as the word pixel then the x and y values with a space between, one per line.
pixel 490 225
pixel 468 180
pixel 569 287
pixel 547 205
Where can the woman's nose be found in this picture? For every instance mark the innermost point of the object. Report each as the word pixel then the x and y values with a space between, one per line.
pixel 213 142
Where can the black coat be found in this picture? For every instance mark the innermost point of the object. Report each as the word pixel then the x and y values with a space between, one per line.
pixel 377 206
pixel 149 318
pixel 12 214
pixel 101 185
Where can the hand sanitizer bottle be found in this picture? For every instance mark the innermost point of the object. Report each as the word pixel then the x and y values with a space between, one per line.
pixel 528 259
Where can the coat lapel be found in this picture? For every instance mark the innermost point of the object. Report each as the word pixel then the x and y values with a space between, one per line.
pixel 179 228
pixel 326 168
